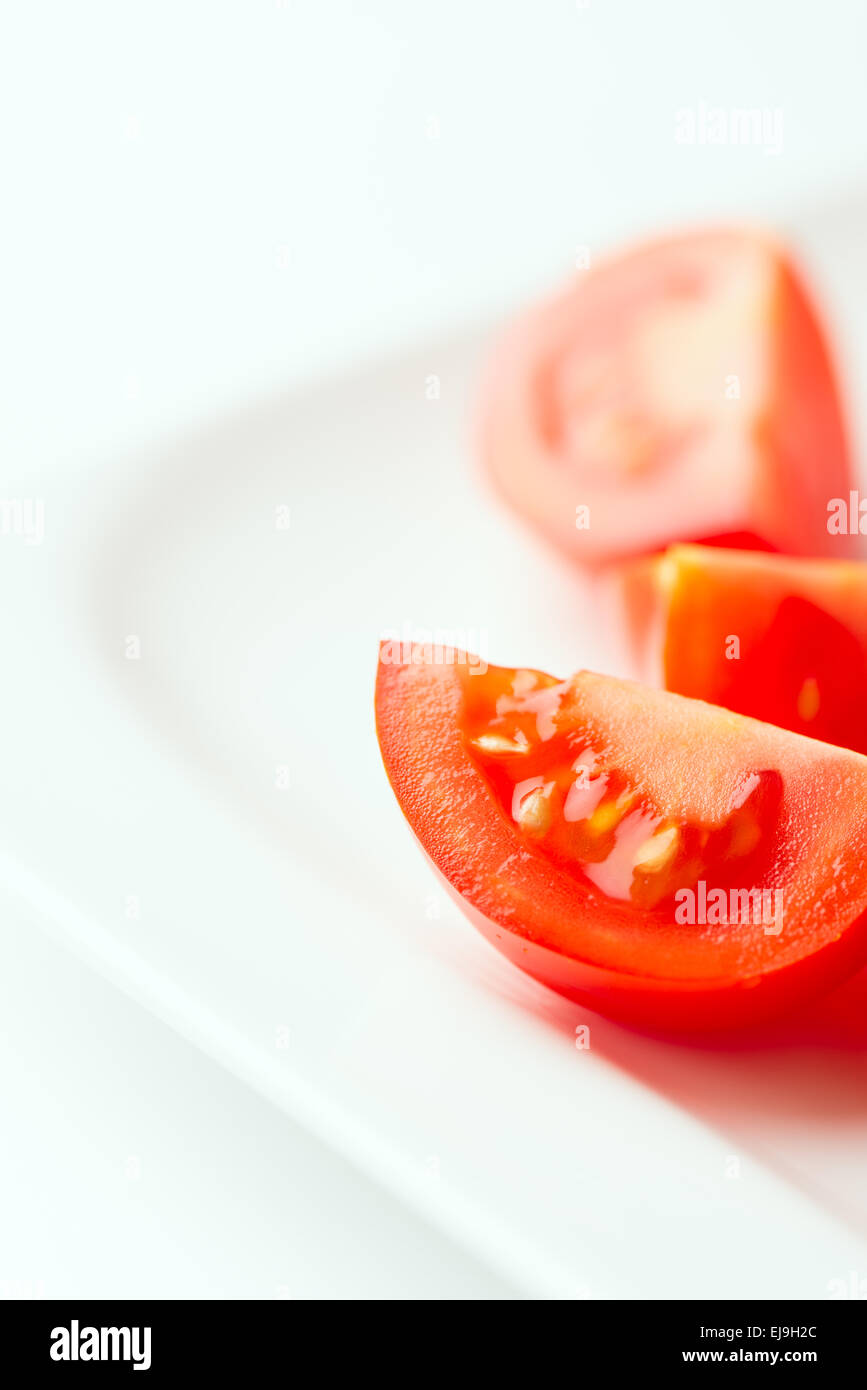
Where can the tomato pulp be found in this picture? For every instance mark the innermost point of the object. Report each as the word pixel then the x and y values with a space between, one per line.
pixel 683 391
pixel 780 639
pixel 658 859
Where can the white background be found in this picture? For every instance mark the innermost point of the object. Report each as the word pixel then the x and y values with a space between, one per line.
pixel 207 201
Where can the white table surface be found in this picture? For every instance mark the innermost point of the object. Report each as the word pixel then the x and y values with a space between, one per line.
pixel 209 200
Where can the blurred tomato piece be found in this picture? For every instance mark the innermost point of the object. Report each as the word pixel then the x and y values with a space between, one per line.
pixel 681 392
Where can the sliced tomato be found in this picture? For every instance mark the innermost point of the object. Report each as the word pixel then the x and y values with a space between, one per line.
pixel 656 858
pixel 682 392
pixel 780 639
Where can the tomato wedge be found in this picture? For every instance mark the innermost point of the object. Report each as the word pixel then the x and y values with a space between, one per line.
pixel 681 392
pixel 780 639
pixel 656 858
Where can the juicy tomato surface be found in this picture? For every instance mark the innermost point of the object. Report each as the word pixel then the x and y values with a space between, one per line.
pixel 681 392
pixel 661 860
pixel 781 639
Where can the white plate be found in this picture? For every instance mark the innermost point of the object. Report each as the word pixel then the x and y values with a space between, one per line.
pixel 297 934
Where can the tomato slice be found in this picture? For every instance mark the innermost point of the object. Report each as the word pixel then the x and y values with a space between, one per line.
pixel 780 639
pixel 681 392
pixel 656 858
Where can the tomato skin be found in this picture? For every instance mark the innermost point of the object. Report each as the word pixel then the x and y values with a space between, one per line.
pixel 672 1005
pixel 534 916
pixel 757 473
pixel 800 628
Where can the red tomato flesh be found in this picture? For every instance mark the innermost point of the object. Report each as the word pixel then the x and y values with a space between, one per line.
pixel 681 392
pixel 780 639
pixel 586 826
